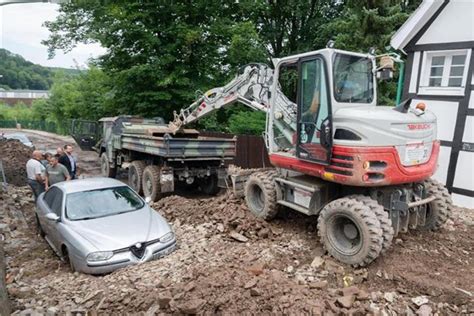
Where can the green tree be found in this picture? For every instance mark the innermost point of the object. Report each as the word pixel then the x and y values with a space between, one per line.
pixel 86 96
pixel 158 53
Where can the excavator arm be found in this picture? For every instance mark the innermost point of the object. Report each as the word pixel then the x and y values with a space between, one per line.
pixel 251 87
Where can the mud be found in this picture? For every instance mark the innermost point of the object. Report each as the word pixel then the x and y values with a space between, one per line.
pixel 14 156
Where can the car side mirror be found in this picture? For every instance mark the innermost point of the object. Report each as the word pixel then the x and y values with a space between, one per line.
pixel 52 217
pixel 148 200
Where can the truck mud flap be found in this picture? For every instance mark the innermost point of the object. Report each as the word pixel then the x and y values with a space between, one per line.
pixel 166 180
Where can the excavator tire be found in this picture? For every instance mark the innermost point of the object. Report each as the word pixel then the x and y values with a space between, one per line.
pixel 105 168
pixel 437 212
pixel 209 185
pixel 382 216
pixel 261 195
pixel 135 174
pixel 350 231
pixel 151 183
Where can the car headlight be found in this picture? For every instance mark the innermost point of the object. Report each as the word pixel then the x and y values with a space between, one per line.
pixel 100 256
pixel 167 237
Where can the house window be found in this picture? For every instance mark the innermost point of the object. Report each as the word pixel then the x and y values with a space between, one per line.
pixel 444 72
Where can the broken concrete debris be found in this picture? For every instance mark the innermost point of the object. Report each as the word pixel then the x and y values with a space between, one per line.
pixel 280 270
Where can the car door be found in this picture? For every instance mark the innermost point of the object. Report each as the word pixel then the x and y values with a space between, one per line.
pixel 44 207
pixel 56 208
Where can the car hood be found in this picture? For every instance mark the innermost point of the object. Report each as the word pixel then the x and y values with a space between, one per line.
pixel 122 230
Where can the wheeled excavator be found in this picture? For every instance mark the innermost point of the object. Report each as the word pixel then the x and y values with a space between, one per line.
pixel 364 170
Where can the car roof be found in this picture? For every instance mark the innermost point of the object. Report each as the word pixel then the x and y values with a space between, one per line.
pixel 88 184
pixel 16 135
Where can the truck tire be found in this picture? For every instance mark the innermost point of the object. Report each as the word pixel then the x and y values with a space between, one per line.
pixel 209 185
pixel 135 174
pixel 261 195
pixel 382 216
pixel 437 211
pixel 350 231
pixel 105 168
pixel 151 183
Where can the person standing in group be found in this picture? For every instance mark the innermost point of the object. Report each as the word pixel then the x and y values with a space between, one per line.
pixel 69 161
pixel 35 171
pixel 59 151
pixel 46 158
pixel 56 172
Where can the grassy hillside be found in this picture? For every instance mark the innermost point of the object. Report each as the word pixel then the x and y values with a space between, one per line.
pixel 18 73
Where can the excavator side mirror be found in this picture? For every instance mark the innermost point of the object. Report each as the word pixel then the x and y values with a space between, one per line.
pixel 326 133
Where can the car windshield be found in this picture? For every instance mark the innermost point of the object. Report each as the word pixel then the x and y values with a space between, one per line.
pixel 100 203
pixel 353 79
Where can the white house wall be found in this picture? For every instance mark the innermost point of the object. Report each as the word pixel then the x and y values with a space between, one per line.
pixel 464 178
pixel 468 136
pixel 414 74
pixel 441 173
pixel 446 113
pixel 448 30
pixel 454 24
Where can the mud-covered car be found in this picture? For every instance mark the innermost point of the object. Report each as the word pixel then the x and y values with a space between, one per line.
pixel 100 224
pixel 20 137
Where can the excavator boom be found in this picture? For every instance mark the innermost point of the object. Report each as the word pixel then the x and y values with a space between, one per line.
pixel 251 87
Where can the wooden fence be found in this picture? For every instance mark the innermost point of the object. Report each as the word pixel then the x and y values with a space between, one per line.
pixel 251 150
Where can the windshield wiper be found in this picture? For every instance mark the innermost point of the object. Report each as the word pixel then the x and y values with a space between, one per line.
pixel 85 218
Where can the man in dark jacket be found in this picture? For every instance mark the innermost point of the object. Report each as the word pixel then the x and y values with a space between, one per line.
pixel 68 161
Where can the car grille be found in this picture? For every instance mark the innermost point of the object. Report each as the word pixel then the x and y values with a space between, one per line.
pixel 138 251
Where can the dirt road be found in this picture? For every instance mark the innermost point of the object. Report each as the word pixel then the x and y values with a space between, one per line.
pixel 230 262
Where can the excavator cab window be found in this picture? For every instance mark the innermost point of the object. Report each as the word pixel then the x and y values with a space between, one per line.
pixel 314 119
pixel 288 80
pixel 353 79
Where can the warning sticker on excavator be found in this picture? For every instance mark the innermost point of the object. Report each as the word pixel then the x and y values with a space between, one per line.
pixel 414 153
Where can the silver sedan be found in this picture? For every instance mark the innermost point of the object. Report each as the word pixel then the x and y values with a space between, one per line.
pixel 100 224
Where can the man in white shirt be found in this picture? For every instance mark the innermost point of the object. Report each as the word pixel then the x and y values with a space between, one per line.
pixel 35 171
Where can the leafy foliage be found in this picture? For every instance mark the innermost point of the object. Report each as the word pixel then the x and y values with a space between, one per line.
pixel 159 53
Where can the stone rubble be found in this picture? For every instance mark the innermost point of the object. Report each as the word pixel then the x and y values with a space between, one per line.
pixel 227 261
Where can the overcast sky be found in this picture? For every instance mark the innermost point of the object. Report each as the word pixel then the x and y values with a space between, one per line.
pixel 21 32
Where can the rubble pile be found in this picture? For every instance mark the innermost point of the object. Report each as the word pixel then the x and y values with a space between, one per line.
pixel 14 156
pixel 230 262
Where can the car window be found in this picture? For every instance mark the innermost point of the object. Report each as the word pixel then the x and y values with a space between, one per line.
pixel 57 202
pixel 49 196
pixel 103 202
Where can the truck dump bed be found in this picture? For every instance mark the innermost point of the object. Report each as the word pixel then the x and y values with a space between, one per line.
pixel 200 148
pixel 156 138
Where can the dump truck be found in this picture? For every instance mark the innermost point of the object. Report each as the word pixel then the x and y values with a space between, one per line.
pixel 156 159
pixel 362 169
